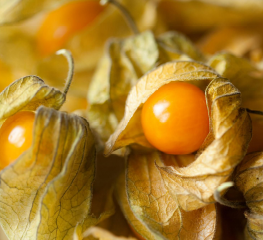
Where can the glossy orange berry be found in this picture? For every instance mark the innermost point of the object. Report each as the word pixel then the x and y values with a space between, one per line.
pixel 16 136
pixel 175 118
pixel 64 22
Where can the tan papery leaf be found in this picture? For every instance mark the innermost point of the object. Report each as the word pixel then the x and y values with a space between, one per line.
pixel 152 211
pixel 124 63
pixel 249 180
pixel 46 192
pixel 192 185
pixel 28 93
pixel 249 80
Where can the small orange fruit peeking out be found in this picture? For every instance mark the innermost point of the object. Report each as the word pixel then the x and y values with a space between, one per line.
pixel 64 22
pixel 175 118
pixel 16 136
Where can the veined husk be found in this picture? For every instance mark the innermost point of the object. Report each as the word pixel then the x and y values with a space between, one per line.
pixel 47 191
pixel 230 132
pixel 124 62
pixel 248 180
pixel 152 211
pixel 249 80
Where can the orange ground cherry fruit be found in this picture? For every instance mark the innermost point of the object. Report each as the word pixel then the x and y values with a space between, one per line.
pixel 175 118
pixel 64 22
pixel 16 136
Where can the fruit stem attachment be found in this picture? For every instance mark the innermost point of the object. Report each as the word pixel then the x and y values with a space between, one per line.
pixel 225 202
pixel 254 111
pixel 70 60
pixel 130 21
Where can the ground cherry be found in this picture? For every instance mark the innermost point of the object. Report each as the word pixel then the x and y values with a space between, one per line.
pixel 16 136
pixel 175 118
pixel 64 22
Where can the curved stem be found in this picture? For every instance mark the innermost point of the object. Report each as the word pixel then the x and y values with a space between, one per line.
pixel 254 111
pixel 70 60
pixel 225 202
pixel 125 13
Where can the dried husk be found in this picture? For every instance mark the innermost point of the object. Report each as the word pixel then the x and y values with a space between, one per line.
pixel 248 180
pixel 47 191
pixel 224 148
pixel 27 94
pixel 249 80
pixel 121 67
pixel 150 209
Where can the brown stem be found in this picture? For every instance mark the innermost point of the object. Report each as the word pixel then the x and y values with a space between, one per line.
pixel 254 111
pixel 125 13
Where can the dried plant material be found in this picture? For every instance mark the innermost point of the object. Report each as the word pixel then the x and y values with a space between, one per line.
pixel 249 80
pixel 121 195
pixel 28 93
pixel 248 179
pixel 175 45
pixel 129 130
pixel 201 15
pixel 152 211
pixel 119 70
pixel 47 191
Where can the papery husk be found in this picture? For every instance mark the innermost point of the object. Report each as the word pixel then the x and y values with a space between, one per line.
pixel 27 94
pixel 248 180
pixel 124 63
pixel 47 191
pixel 51 183
pixel 150 209
pixel 249 80
pixel 230 133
